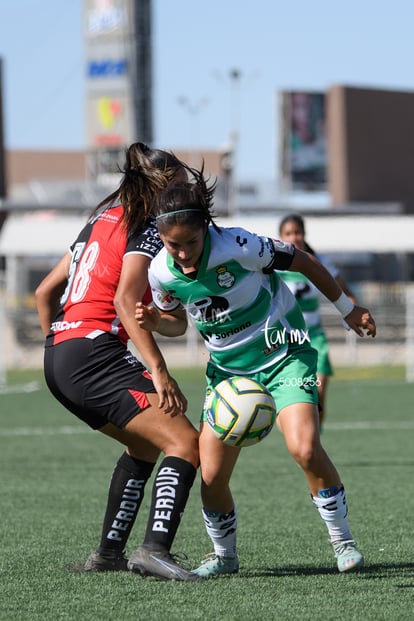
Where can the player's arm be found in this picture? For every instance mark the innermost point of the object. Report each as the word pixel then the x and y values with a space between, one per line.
pixel 151 318
pixel 49 292
pixel 331 267
pixel 356 317
pixel 345 288
pixel 131 288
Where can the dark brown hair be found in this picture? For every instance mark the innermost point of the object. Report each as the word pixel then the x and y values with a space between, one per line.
pixel 146 172
pixel 189 203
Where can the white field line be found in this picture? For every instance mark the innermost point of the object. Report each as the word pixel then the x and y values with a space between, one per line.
pixel 340 426
pixel 43 431
pixel 15 389
pixel 370 425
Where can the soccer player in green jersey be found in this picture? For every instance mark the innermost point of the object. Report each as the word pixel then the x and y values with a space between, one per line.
pixel 292 230
pixel 226 280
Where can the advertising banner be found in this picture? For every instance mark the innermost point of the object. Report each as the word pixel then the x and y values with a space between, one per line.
pixel 303 140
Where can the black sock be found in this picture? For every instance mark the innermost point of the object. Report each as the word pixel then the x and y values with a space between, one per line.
pixel 125 495
pixel 170 492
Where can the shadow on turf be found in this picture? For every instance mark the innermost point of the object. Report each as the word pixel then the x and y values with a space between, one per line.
pixel 374 572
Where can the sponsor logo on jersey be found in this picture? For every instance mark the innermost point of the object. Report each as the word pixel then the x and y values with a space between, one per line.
pixel 150 242
pixel 131 359
pixel 60 326
pixel 280 245
pixel 306 387
pixel 209 309
pixel 163 298
pixel 301 290
pixel 225 279
pixel 108 216
pixel 271 247
pixel 148 247
pixel 262 247
pixel 232 331
pixel 270 350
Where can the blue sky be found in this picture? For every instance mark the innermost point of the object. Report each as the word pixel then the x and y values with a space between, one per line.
pixel 275 44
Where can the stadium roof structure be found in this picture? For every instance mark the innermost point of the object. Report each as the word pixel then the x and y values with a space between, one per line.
pixel 40 233
pixel 50 232
pixel 331 233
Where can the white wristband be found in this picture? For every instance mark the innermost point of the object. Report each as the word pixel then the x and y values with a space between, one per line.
pixel 344 305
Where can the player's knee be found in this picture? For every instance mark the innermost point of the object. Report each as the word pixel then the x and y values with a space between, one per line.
pixel 304 455
pixel 185 447
pixel 212 480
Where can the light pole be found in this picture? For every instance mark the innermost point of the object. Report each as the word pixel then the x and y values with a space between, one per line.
pixel 193 108
pixel 235 78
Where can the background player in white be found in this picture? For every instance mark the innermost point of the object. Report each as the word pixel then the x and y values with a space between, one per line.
pixel 292 230
pixel 86 306
pixel 251 325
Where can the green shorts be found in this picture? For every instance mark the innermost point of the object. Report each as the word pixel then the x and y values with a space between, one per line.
pixel 320 343
pixel 290 380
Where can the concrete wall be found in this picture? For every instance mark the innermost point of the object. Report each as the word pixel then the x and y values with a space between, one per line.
pixel 24 166
pixel 370 146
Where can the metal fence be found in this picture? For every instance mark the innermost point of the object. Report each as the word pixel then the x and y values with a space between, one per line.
pixel 392 306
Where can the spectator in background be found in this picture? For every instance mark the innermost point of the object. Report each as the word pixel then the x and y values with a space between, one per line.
pixel 292 230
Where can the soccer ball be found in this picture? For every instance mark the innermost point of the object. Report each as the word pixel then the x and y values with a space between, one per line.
pixel 240 411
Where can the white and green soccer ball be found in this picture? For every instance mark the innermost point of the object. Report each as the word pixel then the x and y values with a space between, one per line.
pixel 240 411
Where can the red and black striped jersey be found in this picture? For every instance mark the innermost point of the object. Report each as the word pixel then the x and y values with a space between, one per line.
pixel 87 305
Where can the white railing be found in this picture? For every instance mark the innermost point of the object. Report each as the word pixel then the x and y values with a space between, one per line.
pixel 392 305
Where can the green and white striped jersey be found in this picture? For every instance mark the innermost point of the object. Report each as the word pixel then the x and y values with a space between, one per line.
pixel 306 294
pixel 243 310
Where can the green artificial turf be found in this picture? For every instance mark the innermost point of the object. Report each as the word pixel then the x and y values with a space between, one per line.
pixel 54 480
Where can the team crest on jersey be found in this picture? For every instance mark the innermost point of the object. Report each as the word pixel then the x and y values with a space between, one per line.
pixel 225 279
pixel 163 298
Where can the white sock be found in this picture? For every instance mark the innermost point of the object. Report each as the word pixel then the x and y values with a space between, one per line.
pixel 221 528
pixel 334 512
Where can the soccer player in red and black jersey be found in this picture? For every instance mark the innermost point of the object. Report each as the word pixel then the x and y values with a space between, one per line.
pixel 86 307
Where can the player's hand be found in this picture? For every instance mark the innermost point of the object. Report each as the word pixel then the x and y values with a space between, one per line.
pixel 148 317
pixel 172 401
pixel 360 320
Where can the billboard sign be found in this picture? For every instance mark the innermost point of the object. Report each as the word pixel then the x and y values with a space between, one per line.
pixel 107 68
pixel 109 98
pixel 109 120
pixel 303 146
pixel 105 18
pixel 118 74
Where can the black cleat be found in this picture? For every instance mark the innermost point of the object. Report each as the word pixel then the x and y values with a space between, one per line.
pixel 97 562
pixel 160 564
